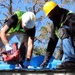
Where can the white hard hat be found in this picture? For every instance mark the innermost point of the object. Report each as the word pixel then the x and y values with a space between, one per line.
pixel 28 20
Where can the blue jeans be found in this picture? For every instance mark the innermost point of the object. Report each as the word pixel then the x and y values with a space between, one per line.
pixel 68 50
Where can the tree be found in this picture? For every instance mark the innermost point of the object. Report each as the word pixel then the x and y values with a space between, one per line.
pixel 43 24
pixel 6 9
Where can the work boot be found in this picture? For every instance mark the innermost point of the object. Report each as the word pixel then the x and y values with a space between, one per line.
pixel 66 65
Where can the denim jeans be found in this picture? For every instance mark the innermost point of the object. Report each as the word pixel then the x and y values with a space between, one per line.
pixel 68 50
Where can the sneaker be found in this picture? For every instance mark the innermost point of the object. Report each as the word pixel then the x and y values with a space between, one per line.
pixel 66 65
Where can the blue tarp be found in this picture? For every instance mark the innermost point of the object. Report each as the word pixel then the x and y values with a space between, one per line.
pixel 5 66
pixel 34 64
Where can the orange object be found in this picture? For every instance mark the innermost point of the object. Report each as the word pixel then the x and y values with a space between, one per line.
pixel 14 54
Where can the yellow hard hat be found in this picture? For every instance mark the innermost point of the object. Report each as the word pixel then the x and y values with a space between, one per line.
pixel 49 6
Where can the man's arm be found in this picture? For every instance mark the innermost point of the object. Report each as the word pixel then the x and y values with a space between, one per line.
pixel 30 47
pixel 11 22
pixel 3 34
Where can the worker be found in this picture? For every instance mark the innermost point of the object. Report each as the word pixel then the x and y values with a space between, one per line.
pixel 64 28
pixel 21 24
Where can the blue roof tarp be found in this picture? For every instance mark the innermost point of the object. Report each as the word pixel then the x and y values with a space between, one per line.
pixel 34 63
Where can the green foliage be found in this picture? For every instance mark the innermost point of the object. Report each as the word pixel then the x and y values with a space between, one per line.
pixel 39 50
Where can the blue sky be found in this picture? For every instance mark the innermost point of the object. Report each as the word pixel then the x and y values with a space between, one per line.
pixel 43 22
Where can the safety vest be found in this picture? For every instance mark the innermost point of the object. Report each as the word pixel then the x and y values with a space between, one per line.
pixel 56 30
pixel 18 27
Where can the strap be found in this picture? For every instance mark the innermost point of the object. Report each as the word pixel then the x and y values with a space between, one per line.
pixel 65 19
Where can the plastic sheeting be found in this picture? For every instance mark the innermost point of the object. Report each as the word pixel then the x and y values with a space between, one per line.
pixel 34 64
pixel 5 66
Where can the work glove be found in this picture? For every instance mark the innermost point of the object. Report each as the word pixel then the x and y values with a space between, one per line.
pixel 44 65
pixel 8 48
